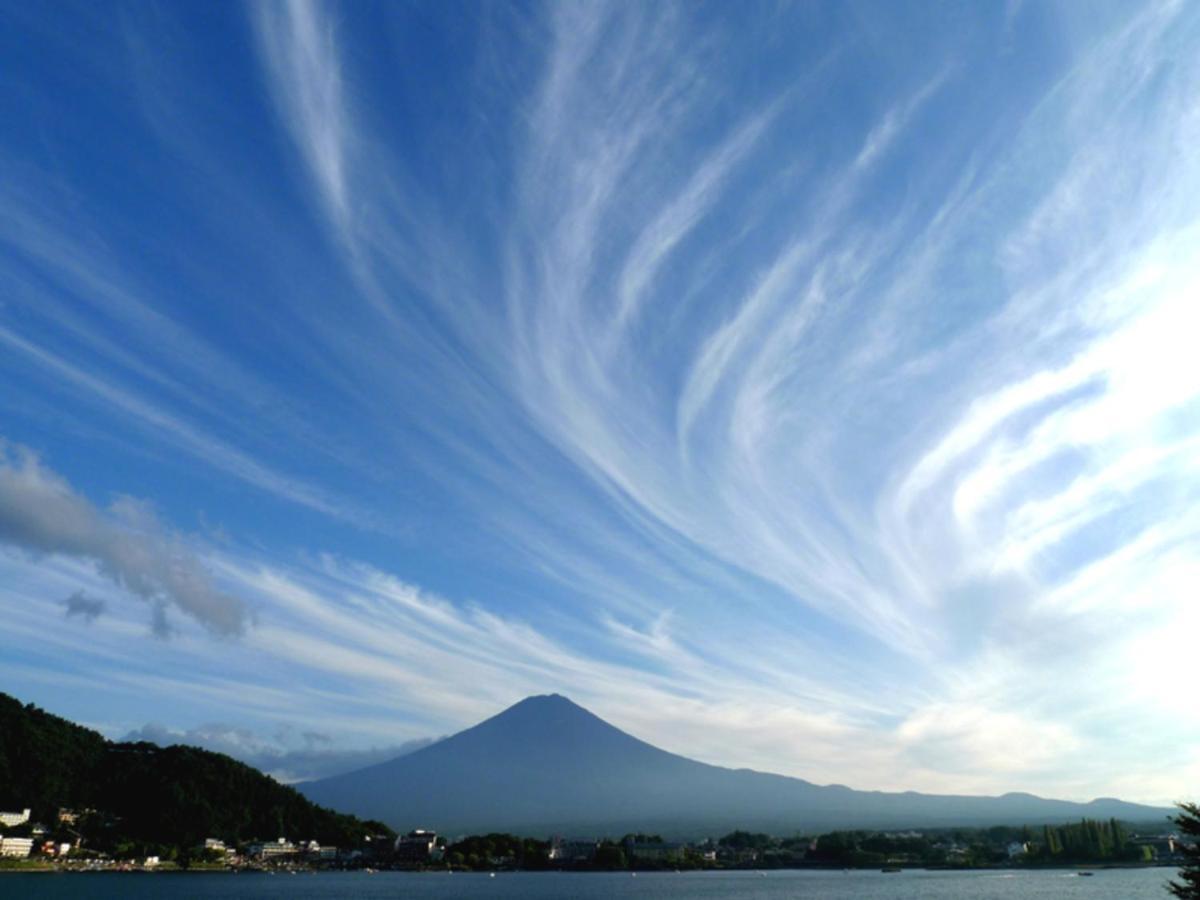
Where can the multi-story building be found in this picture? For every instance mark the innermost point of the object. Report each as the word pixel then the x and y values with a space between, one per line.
pixel 16 846
pixel 416 847
pixel 281 848
pixel 13 819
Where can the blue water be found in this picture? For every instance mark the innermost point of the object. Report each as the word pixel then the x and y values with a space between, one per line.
pixel 1114 884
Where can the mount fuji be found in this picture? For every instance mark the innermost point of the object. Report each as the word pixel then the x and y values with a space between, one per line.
pixel 547 765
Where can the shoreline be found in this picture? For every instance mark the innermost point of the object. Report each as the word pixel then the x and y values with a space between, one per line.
pixel 55 870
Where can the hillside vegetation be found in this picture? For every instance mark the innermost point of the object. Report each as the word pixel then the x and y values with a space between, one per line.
pixel 145 795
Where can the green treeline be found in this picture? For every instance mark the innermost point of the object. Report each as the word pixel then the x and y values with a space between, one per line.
pixel 148 799
pixel 1085 842
pixel 1089 841
pixel 487 850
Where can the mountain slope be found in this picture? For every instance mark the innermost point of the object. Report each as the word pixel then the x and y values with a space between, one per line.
pixel 548 765
pixel 169 796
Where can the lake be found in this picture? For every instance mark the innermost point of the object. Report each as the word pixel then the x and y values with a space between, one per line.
pixel 1112 884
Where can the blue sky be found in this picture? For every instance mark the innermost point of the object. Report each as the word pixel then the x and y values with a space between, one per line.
pixel 804 387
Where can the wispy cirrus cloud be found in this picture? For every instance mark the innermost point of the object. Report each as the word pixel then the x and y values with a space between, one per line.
pixel 702 360
pixel 299 44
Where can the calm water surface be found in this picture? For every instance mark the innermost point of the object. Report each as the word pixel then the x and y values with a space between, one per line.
pixel 1127 884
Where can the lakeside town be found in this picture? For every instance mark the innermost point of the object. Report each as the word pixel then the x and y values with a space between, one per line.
pixel 27 845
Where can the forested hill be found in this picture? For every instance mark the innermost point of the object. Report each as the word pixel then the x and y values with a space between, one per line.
pixel 167 796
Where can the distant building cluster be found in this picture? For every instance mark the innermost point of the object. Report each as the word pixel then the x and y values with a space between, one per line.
pixel 1000 846
pixel 281 850
pixel 32 841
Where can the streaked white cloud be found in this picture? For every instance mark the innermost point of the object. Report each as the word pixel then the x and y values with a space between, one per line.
pixel 300 47
pixel 829 424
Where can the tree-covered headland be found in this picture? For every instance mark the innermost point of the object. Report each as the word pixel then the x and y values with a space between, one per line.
pixel 138 799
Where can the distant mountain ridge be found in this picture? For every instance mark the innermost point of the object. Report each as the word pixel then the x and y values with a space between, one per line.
pixel 547 765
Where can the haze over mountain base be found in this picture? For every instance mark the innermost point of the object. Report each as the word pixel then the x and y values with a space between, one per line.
pixel 546 765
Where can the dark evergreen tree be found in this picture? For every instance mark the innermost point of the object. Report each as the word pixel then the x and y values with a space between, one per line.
pixel 1050 837
pixel 1118 835
pixel 1188 885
